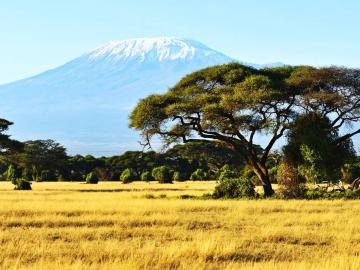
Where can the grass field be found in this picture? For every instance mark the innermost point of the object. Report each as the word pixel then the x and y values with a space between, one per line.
pixel 147 226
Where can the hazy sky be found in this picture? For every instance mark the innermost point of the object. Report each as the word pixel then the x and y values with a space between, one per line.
pixel 36 35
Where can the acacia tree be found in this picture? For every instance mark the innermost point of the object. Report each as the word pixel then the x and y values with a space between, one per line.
pixel 234 103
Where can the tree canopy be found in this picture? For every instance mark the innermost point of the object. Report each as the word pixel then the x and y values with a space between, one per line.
pixel 39 156
pixel 6 144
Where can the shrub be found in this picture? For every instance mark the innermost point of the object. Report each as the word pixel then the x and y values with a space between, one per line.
pixel 22 184
pixel 128 176
pixel 146 176
pixel 161 174
pixel 248 173
pixel 177 176
pixel 92 178
pixel 235 188
pixel 199 174
pixel 186 196
pixel 227 173
pixel 290 184
pixel 316 194
pixel 354 194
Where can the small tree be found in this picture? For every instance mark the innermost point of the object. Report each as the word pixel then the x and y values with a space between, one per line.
pixel 290 184
pixel 146 176
pixel 199 174
pixel 8 145
pixel 313 150
pixel 92 178
pixel 127 176
pixel 312 168
pixel 162 174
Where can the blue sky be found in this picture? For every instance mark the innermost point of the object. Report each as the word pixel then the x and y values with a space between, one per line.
pixel 37 35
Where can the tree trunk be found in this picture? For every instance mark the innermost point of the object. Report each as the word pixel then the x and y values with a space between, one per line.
pixel 268 190
pixel 263 175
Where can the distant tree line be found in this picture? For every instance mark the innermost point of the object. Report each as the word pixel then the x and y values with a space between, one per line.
pixel 46 160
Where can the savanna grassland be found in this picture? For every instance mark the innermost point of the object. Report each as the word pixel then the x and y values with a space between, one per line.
pixel 148 226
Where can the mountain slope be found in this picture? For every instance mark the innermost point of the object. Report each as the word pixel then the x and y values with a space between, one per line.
pixel 85 103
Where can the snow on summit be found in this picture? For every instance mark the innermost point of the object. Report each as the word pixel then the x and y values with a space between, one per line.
pixel 161 49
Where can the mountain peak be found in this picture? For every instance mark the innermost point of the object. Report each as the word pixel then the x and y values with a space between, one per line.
pixel 160 49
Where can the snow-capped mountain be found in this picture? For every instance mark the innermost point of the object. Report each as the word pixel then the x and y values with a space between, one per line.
pixel 154 49
pixel 85 103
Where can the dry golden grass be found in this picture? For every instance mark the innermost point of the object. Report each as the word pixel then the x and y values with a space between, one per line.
pixel 70 226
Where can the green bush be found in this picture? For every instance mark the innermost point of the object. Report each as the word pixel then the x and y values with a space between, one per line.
pixel 177 176
pixel 316 194
pixel 128 176
pixel 146 176
pixel 199 174
pixel 22 184
pixel 235 188
pixel 323 194
pixel 227 173
pixel 161 174
pixel 248 173
pixel 92 178
pixel 355 194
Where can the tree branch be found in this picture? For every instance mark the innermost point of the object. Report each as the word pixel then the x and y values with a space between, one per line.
pixel 347 136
